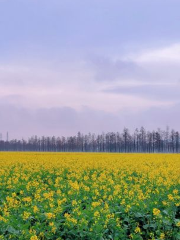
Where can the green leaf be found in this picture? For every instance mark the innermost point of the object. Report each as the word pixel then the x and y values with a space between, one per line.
pixel 12 230
pixel 177 236
pixel 138 215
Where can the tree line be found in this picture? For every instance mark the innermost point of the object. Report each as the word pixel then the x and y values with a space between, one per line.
pixel 140 141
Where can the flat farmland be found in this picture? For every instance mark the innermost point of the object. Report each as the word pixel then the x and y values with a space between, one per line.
pixel 86 196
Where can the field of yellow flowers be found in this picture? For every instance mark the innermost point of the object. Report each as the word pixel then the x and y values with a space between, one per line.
pixel 89 196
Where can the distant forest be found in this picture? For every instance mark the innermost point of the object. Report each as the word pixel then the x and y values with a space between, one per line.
pixel 140 141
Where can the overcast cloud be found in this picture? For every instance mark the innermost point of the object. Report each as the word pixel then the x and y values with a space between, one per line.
pixel 69 66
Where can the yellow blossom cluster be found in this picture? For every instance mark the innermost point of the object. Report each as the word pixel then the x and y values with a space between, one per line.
pixel 89 196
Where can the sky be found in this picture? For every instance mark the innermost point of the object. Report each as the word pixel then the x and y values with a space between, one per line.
pixel 88 65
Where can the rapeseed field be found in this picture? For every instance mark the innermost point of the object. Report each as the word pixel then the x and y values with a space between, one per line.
pixel 89 196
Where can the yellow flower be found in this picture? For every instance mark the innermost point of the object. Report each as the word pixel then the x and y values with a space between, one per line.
pixel 178 224
pixel 26 215
pixel 35 209
pixel 3 219
pixel 137 230
pixel 41 234
pixel 34 237
pixel 27 199
pixel 164 203
pixel 13 194
pixel 67 215
pixel 162 236
pixel 156 212
pixel 90 186
pixel 170 197
pixel 175 191
pixel 53 229
pixel 86 178
pixel 97 214
pixel 96 204
pixel 50 215
pixel 51 224
pixel 74 202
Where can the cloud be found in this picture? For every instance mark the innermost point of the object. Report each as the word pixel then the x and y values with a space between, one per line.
pixel 107 69
pixel 65 84
pixel 170 54
pixel 155 117
pixel 160 64
pixel 12 99
pixel 88 65
pixel 100 94
pixel 146 65
pixel 161 92
pixel 24 122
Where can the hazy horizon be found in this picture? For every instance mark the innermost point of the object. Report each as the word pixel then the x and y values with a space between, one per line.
pixel 89 66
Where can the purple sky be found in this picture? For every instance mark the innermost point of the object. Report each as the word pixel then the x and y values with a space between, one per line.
pixel 69 66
